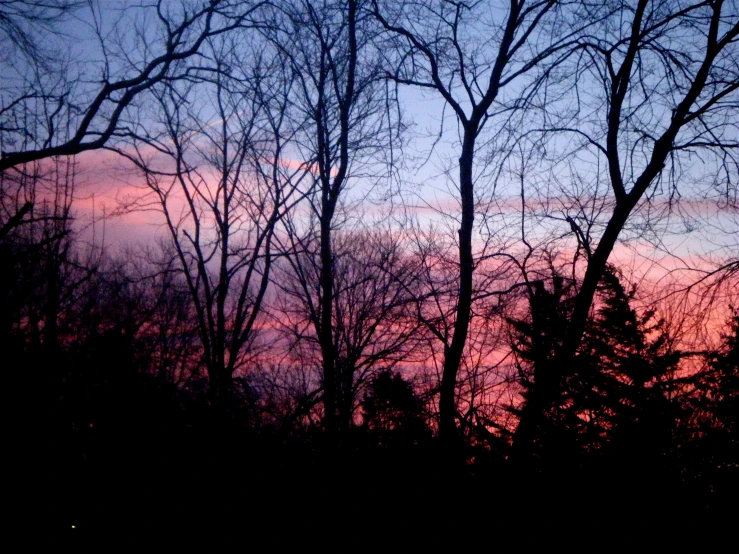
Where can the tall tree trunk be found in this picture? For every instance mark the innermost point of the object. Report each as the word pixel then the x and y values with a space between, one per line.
pixel 453 354
pixel 328 354
pixel 346 402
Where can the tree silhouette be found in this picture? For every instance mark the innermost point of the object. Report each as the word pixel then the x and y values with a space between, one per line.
pixel 373 325
pixel 618 398
pixel 392 412
pixel 222 182
pixel 713 463
pixel 57 111
pixel 441 46
pixel 348 131
pixel 725 363
pixel 644 129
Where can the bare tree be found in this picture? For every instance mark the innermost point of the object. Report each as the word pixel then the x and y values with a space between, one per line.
pixel 481 387
pixel 44 264
pixel 348 126
pixel 654 86
pixel 468 54
pixel 56 105
pixel 147 284
pixel 216 169
pixel 373 321
pixel 24 22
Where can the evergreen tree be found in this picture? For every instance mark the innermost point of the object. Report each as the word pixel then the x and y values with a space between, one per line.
pixel 393 412
pixel 725 365
pixel 634 397
pixel 713 459
pixel 536 341
pixel 616 401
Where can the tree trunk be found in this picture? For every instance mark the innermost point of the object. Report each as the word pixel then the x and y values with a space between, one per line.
pixel 326 332
pixel 453 354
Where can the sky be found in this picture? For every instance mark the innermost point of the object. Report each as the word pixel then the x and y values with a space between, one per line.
pixel 690 231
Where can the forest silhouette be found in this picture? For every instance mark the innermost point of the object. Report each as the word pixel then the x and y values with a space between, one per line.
pixel 418 269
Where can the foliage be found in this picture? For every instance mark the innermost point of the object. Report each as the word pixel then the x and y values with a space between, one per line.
pixel 392 412
pixel 619 396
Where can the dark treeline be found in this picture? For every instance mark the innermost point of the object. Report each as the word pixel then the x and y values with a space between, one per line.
pixel 297 342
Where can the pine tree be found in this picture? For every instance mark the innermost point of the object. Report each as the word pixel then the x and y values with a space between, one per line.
pixel 393 412
pixel 725 365
pixel 536 341
pixel 714 463
pixel 632 390
pixel 615 401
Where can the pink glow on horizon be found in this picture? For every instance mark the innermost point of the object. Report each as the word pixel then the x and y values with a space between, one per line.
pixel 107 182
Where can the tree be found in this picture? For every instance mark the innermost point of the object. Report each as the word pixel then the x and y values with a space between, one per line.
pixel 43 265
pixel 52 106
pixel 648 100
pixel 617 408
pixel 480 383
pixel 23 23
pixel 725 362
pixel 339 87
pixel 373 323
pixel 147 292
pixel 215 168
pixel 713 459
pixel 56 102
pixel 392 411
pixel 438 45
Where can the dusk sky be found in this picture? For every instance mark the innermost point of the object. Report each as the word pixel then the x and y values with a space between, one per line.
pixel 479 241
